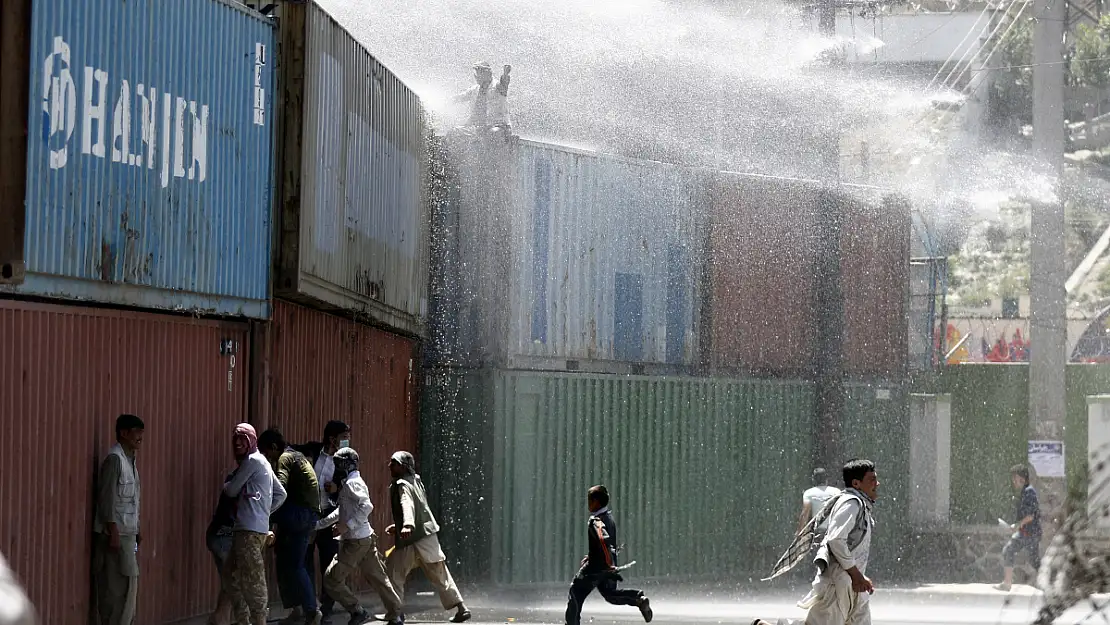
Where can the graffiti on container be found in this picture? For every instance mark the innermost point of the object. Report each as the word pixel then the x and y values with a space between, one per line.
pixel 993 345
pixel 259 91
pixel 165 125
pixel 1017 350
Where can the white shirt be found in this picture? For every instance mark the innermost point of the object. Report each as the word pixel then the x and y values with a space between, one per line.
pixel 354 510
pixel 495 104
pixel 325 472
pixel 841 523
pixel 817 497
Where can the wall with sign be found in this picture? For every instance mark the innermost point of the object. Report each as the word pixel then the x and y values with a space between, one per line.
pixel 989 434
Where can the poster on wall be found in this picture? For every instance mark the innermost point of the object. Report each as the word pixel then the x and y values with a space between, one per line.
pixel 1047 458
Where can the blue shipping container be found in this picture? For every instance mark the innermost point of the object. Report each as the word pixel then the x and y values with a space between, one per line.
pixel 149 174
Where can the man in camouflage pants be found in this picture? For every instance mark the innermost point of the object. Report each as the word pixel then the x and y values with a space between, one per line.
pixel 259 493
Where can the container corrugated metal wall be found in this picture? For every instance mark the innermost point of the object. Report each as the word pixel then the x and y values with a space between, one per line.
pixel 876 427
pixel 763 275
pixel 764 264
pixel 574 255
pixel 149 155
pixel 325 367
pixel 70 371
pixel 355 233
pixel 875 274
pixel 673 452
pixel 610 259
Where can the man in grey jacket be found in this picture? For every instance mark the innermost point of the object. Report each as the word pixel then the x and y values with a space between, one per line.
pixel 841 589
pixel 417 545
pixel 116 526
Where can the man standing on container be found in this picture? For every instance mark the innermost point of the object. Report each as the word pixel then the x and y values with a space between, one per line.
pixel 294 521
pixel 258 494
pixel 417 545
pixel 489 104
pixel 116 525
pixel 337 435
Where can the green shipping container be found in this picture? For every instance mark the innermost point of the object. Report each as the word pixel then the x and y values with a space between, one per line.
pixel 706 474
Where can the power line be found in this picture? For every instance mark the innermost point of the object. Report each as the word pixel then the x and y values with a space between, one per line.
pixel 957 49
pixel 1101 58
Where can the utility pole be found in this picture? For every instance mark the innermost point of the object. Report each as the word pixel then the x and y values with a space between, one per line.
pixel 1048 329
pixel 829 296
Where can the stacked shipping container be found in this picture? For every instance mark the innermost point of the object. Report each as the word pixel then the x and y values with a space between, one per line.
pixel 552 258
pixel 548 259
pixel 354 229
pixel 149 156
pixel 324 367
pixel 149 184
pixel 561 255
pixel 763 272
pixel 764 265
pixel 68 372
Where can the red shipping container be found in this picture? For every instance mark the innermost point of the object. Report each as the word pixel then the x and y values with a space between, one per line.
pixel 325 367
pixel 69 371
pixel 874 269
pixel 762 273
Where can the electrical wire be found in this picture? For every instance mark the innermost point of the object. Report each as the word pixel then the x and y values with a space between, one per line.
pixel 958 46
pixel 979 49
pixel 985 69
pixel 994 49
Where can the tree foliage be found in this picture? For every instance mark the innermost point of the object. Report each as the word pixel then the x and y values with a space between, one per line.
pixel 1089 65
pixel 1012 93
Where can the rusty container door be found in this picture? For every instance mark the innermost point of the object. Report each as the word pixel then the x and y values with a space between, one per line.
pixel 326 367
pixel 875 263
pixel 763 277
pixel 69 372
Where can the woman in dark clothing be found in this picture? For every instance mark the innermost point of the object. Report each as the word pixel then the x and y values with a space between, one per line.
pixel 1026 527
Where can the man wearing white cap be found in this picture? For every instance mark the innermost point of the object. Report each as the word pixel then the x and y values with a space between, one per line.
pixel 358 549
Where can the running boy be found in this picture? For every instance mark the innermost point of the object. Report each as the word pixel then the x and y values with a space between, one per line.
pixel 599 567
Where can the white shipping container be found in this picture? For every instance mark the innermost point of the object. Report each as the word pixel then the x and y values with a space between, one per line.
pixel 567 255
pixel 354 227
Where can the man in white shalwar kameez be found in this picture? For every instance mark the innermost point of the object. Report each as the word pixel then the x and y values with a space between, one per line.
pixel 841 589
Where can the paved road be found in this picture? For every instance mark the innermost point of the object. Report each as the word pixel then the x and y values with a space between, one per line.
pixel 892 608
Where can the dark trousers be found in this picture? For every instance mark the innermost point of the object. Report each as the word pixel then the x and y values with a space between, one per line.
pixel 328 548
pixel 1030 544
pixel 584 584
pixel 294 525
